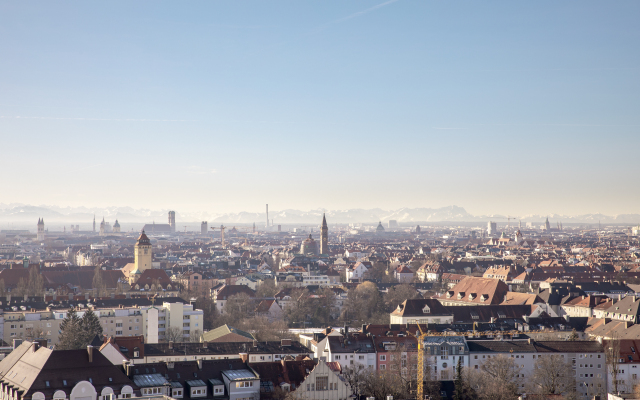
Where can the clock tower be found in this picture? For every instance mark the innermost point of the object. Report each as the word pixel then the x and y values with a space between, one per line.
pixel 142 253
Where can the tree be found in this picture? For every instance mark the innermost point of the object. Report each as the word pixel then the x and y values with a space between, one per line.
pixel 364 305
pixel 76 332
pixel 355 377
pixel 573 336
pixel 71 332
pixel 173 334
pixel 195 336
pixel 267 289
pixel 497 379
pixel 237 308
pixel 34 333
pixel 397 294
pixel 91 326
pixel 98 282
pixel 462 389
pixel 380 384
pixel 612 359
pixel 552 375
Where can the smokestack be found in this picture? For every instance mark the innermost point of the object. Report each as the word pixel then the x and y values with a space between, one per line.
pixel 90 352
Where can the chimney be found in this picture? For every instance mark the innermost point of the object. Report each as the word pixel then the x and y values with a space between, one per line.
pixel 244 357
pixel 34 346
pixel 90 352
pixel 205 344
pixel 170 344
pixel 285 342
pixel 255 343
pixel 530 341
pixel 199 363
pixel 346 330
pixel 364 328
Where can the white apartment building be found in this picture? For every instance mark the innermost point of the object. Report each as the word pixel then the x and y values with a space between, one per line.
pixel 587 358
pixel 115 321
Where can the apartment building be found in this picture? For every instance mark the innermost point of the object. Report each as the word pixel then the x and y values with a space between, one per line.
pixel 587 358
pixel 115 321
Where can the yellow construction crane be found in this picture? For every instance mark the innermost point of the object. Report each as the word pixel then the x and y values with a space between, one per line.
pixel 420 377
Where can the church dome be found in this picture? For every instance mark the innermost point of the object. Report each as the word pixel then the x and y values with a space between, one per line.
pixel 380 228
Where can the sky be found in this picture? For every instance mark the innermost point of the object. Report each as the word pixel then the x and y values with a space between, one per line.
pixel 222 106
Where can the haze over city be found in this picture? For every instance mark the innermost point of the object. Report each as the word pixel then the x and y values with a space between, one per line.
pixel 319 200
pixel 221 107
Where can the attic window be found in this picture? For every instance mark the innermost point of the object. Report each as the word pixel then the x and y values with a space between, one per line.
pixel 64 382
pixel 472 296
pixel 460 295
pixel 178 375
pixel 484 297
pixel 46 383
pixel 110 379
pixel 426 310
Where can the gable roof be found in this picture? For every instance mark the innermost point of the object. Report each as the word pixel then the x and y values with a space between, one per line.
pixel 226 333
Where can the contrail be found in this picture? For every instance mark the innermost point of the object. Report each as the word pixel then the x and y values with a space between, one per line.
pixel 99 119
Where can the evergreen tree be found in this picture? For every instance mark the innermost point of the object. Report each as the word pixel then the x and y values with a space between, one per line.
pixel 76 332
pixel 71 336
pixel 457 394
pixel 463 390
pixel 90 326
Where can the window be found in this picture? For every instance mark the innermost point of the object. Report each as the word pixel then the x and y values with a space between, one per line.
pixel 383 357
pixel 383 367
pixel 119 325
pixel 322 382
pixel 244 384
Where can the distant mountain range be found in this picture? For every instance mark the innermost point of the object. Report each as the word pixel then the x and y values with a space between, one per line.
pixel 21 213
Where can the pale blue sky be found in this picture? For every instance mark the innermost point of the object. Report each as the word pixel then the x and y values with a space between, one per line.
pixel 500 107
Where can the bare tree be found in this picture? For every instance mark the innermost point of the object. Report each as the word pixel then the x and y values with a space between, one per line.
pixel 173 334
pixel 34 333
pixel 497 379
pixel 612 358
pixel 552 374
pixel 98 282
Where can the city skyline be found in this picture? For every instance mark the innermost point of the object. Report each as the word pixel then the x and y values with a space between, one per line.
pixel 504 108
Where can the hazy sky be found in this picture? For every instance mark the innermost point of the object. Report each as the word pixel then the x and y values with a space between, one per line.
pixel 500 107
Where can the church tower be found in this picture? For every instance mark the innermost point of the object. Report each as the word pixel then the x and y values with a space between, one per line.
pixel 324 236
pixel 102 227
pixel 142 257
pixel 547 225
pixel 94 223
pixel 40 229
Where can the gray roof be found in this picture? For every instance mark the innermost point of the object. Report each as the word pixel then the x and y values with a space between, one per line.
pixel 216 382
pixel 239 374
pixel 524 346
pixel 149 380
pixel 196 383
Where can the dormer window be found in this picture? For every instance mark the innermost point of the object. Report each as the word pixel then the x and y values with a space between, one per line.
pixel 449 294
pixel 472 296
pixel 460 295
pixel 426 310
pixel 484 297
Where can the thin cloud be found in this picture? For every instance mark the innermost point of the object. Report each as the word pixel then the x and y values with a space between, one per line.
pixel 363 12
pixel 98 119
pixel 196 170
